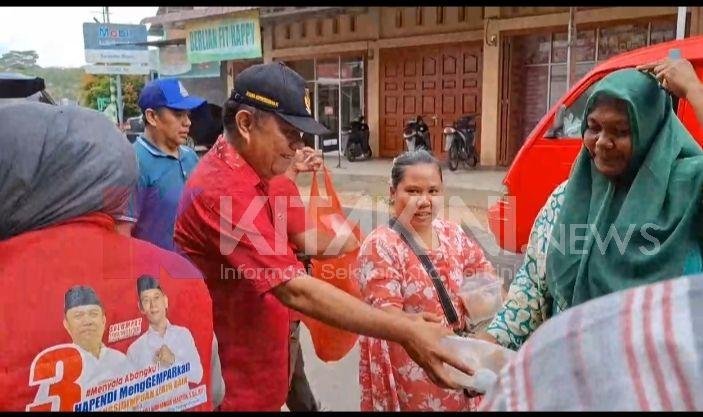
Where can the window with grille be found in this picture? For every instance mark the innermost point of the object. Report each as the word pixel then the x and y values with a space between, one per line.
pixel 543 58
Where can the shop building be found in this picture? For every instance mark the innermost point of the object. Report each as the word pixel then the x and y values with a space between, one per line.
pixel 505 66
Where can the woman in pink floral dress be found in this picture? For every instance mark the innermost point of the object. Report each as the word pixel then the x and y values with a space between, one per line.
pixel 391 277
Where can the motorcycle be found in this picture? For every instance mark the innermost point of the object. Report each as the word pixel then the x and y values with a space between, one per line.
pixel 357 146
pixel 417 135
pixel 459 142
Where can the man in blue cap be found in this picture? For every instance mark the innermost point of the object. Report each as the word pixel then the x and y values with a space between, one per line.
pixel 164 161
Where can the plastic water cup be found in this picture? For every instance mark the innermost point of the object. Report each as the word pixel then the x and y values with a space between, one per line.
pixel 481 296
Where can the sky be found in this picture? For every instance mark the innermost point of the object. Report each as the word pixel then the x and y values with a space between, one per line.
pixel 56 33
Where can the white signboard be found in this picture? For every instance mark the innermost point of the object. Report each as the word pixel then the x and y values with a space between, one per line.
pixel 142 69
pixel 173 62
pixel 97 56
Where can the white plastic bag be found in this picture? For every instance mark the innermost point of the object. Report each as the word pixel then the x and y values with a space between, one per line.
pixel 481 296
pixel 485 358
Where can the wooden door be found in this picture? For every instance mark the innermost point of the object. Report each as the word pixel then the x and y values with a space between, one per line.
pixel 439 82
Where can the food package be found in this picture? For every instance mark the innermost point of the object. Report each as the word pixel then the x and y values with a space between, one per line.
pixel 485 358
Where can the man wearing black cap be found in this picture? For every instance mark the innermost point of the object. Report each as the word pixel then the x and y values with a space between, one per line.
pixel 226 224
pixel 84 321
pixel 164 161
pixel 163 344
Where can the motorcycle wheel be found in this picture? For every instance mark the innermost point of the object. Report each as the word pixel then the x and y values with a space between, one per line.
pixel 351 153
pixel 454 156
pixel 473 160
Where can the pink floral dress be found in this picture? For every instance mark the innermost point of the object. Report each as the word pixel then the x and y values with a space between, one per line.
pixel 390 274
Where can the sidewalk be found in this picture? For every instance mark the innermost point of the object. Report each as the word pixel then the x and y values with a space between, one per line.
pixel 478 188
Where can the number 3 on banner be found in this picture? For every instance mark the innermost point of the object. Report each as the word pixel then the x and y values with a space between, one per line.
pixel 56 371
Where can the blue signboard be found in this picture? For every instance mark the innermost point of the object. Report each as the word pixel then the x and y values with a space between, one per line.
pixel 111 43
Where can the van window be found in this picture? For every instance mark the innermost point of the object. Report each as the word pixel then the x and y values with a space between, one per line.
pixel 572 117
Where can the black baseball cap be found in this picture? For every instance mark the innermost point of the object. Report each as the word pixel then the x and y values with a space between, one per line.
pixel 80 295
pixel 278 89
pixel 147 282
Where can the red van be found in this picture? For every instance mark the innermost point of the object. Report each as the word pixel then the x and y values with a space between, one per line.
pixel 546 157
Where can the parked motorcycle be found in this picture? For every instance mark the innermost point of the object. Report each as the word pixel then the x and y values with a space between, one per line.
pixel 357 147
pixel 459 142
pixel 417 135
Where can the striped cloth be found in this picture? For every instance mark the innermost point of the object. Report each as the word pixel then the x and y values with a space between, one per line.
pixel 635 350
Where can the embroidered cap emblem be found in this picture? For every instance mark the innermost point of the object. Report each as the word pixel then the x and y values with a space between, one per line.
pixel 307 101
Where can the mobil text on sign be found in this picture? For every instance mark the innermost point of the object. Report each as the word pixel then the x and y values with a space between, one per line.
pixel 110 43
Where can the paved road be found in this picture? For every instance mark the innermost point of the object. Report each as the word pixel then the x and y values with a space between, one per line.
pixel 336 384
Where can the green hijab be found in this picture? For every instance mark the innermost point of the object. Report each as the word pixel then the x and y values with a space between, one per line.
pixel 656 200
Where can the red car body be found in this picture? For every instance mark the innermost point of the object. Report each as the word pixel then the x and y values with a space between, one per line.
pixel 544 162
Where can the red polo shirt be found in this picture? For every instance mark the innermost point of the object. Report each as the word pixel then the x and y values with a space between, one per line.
pixel 286 191
pixel 226 227
pixel 286 199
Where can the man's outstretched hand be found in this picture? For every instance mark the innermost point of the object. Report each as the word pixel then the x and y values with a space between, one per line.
pixel 423 347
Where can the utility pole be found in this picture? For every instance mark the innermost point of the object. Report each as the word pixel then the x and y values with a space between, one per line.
pixel 681 23
pixel 118 80
pixel 571 40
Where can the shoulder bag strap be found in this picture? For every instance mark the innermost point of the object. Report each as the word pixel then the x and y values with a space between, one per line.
pixel 444 300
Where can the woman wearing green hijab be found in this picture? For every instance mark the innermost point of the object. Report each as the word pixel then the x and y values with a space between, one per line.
pixel 627 216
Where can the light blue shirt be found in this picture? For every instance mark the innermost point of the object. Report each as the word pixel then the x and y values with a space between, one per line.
pixel 154 202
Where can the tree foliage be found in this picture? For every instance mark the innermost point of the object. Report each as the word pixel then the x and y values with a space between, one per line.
pixel 60 82
pixel 73 83
pixel 95 86
pixel 16 61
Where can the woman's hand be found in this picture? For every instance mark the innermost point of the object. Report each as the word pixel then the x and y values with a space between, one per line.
pixel 676 75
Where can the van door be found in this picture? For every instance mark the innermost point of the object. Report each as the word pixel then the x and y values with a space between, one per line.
pixel 547 161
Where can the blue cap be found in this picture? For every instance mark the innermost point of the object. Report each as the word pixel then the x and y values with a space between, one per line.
pixel 167 92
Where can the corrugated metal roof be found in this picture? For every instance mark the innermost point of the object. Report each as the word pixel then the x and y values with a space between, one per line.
pixel 193 14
